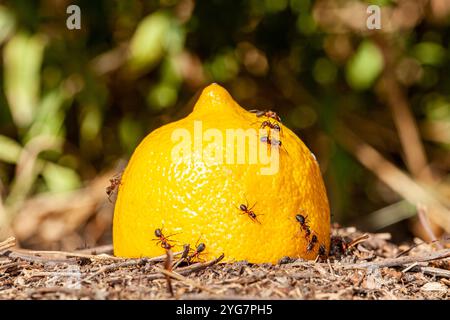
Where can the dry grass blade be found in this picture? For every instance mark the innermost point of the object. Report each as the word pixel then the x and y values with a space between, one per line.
pixel 395 178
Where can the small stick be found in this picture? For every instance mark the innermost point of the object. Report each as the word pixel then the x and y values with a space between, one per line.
pixel 395 262
pixel 31 258
pixel 412 247
pixel 185 280
pixel 331 268
pixel 11 264
pixel 168 267
pixel 184 255
pixel 422 212
pixel 128 263
pixel 187 270
pixel 8 243
pixel 69 254
pixel 108 249
pixel 357 241
pixel 199 266
pixel 436 272
pixel 410 267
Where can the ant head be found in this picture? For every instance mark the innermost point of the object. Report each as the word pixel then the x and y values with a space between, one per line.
pixel 300 218
pixel 314 238
pixel 252 214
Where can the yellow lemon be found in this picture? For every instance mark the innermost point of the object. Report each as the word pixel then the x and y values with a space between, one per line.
pixel 224 178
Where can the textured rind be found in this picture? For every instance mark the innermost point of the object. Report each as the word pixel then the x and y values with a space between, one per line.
pixel 199 200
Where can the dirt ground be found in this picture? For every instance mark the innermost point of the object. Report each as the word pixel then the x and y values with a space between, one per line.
pixel 357 268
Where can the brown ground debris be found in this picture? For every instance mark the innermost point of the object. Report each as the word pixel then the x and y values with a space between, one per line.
pixel 372 268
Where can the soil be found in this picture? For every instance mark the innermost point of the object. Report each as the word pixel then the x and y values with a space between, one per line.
pixel 357 268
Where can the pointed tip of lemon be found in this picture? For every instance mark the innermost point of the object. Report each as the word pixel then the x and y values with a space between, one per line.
pixel 213 97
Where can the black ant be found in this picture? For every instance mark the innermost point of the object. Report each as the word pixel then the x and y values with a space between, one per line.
pixel 114 183
pixel 246 210
pixel 266 113
pixel 322 251
pixel 163 240
pixel 303 224
pixel 312 243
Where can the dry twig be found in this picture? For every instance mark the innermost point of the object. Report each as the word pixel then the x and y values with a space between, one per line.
pixel 396 262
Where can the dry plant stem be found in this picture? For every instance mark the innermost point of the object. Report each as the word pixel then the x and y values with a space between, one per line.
pixel 184 255
pixel 106 249
pixel 199 266
pixel 395 178
pixel 422 212
pixel 190 269
pixel 74 208
pixel 127 263
pixel 396 99
pixel 396 262
pixel 168 267
pixel 67 254
pixel 358 240
pixel 184 280
pixel 408 132
pixel 8 243
pixel 37 259
pixel 438 272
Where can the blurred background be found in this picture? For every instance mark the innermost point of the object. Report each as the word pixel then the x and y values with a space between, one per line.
pixel 373 105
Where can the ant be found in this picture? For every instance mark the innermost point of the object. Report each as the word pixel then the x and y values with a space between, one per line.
pixel 304 225
pixel 271 125
pixel 199 249
pixel 322 251
pixel 266 113
pixel 312 243
pixel 114 184
pixel 271 141
pixel 163 240
pixel 246 210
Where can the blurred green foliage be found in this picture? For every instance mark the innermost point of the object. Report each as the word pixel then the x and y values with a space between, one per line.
pixel 72 102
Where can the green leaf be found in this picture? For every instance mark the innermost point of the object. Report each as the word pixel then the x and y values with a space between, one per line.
pixel 9 150
pixel 59 178
pixel 130 133
pixel 49 119
pixel 429 53
pixel 365 66
pixel 7 23
pixel 147 45
pixel 162 96
pixel 22 62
